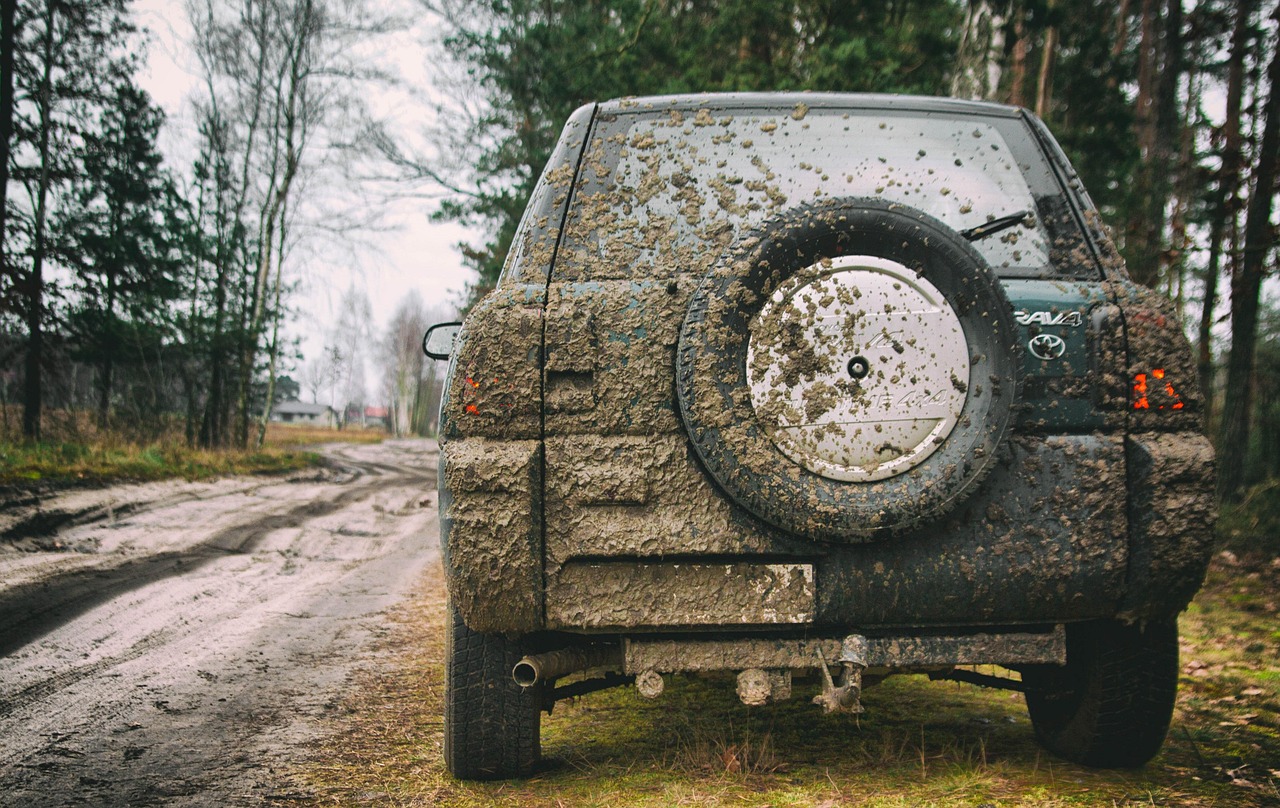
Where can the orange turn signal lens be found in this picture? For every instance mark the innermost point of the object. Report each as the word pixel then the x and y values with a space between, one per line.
pixel 1142 394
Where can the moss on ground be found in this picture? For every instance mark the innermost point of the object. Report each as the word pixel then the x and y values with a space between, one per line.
pixel 919 742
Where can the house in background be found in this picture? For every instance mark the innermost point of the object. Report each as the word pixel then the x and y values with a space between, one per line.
pixel 377 416
pixel 299 412
pixel 367 417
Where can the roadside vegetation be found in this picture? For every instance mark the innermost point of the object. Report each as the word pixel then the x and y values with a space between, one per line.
pixel 65 463
pixel 76 452
pixel 1252 525
pixel 919 742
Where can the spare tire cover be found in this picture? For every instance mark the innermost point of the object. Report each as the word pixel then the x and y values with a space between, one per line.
pixel 848 369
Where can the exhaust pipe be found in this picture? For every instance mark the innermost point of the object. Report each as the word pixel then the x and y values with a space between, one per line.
pixel 551 665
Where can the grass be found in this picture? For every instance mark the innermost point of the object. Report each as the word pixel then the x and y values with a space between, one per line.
pixel 306 435
pixel 77 453
pixel 919 742
pixel 73 463
pixel 1253 523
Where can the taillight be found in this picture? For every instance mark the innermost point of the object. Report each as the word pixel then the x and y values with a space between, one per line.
pixel 1153 391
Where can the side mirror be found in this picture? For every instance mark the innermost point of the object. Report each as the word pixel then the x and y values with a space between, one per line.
pixel 437 343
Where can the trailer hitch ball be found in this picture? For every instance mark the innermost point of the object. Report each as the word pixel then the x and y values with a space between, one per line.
pixel 843 693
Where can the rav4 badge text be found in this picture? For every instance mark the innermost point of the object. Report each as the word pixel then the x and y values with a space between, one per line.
pixel 1071 318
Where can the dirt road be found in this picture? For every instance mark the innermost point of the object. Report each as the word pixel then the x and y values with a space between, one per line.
pixel 173 643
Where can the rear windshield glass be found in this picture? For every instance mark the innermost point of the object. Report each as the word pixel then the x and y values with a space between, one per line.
pixel 663 193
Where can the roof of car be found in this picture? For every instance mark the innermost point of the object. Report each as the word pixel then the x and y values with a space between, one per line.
pixel 913 103
pixel 295 407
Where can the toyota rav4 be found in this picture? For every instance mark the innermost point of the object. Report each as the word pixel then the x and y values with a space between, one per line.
pixel 818 386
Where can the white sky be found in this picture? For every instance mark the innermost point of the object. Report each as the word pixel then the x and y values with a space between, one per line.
pixel 414 254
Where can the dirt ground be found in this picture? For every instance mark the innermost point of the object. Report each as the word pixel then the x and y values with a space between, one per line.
pixel 176 643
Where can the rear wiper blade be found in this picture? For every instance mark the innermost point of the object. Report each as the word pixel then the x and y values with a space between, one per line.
pixel 995 225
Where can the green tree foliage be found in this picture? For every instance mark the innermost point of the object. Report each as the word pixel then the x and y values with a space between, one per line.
pixel 173 290
pixel 535 62
pixel 1093 113
pixel 170 295
pixel 1123 85
pixel 118 241
pixel 67 54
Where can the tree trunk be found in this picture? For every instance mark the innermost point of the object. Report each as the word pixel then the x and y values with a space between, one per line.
pixel 1048 56
pixel 106 365
pixel 273 351
pixel 213 425
pixel 1224 201
pixel 1185 193
pixel 238 406
pixel 1018 69
pixel 193 412
pixel 8 11
pixel 1142 230
pixel 33 397
pixel 977 69
pixel 1171 159
pixel 1259 238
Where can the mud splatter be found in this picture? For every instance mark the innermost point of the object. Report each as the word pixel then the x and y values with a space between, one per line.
pixel 667 199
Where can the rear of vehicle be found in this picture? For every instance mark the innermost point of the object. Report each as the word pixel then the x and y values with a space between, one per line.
pixel 836 385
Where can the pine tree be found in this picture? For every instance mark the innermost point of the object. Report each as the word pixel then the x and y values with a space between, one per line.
pixel 66 54
pixel 117 238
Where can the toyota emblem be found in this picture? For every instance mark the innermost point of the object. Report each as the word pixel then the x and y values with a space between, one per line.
pixel 1047 347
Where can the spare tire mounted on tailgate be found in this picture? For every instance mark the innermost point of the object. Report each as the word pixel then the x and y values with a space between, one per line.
pixel 849 369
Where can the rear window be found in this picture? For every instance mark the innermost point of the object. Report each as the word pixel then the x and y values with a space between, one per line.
pixel 663 193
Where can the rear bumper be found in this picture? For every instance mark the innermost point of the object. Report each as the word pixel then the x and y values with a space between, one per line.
pixel 886 653
pixel 1171 517
pixel 1052 537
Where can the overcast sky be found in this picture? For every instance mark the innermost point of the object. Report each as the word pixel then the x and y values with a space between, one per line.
pixel 414 254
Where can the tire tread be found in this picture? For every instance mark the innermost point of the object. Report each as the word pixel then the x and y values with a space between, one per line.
pixel 491 724
pixel 1111 705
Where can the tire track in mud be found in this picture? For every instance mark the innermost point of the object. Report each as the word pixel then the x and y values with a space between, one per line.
pixel 194 647
pixel 79 673
pixel 28 613
pixel 43 515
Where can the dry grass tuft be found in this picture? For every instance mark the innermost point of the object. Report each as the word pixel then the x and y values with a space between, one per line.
pixel 730 753
pixel 75 451
pixel 307 435
pixel 59 464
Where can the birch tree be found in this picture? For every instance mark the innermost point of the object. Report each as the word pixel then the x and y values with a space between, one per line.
pixel 980 54
pixel 281 101
pixel 403 362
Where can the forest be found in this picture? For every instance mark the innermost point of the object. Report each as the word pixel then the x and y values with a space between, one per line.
pixel 146 293
pixel 145 297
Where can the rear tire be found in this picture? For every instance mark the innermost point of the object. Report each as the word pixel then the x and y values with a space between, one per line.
pixel 1110 705
pixel 490 723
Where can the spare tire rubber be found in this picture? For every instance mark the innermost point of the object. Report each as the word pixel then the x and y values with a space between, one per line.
pixel 848 370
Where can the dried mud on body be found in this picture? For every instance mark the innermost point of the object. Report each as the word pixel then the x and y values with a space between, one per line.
pixel 174 643
pixel 919 743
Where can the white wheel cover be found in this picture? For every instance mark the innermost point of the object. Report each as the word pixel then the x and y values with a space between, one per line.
pixel 858 368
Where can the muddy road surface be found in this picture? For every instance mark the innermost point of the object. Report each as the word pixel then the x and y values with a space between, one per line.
pixel 175 643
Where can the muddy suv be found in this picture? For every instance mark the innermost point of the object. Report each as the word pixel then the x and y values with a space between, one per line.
pixel 818 388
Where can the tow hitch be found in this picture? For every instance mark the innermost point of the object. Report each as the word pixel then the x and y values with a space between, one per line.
pixel 847 694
